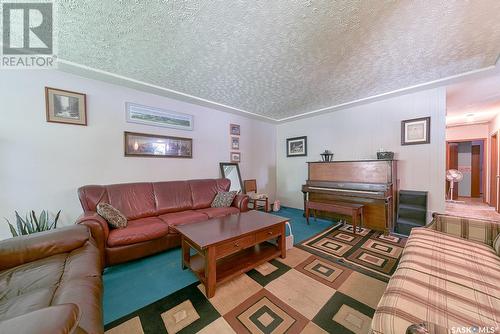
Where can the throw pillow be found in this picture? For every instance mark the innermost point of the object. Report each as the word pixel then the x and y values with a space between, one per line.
pixel 223 199
pixel 114 217
pixel 496 244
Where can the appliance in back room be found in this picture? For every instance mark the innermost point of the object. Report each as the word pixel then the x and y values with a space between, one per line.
pixel 412 211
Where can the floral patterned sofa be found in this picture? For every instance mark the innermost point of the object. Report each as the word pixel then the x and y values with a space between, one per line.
pixel 448 278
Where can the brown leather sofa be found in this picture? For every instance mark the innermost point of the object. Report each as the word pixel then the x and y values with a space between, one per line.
pixel 50 282
pixel 152 211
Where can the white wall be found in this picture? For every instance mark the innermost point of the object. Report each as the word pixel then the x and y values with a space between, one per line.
pixel 358 132
pixel 473 131
pixel 42 164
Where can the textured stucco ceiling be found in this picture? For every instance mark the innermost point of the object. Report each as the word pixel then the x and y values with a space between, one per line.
pixel 281 58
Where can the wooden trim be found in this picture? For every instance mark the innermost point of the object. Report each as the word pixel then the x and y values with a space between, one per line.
pixel 486 166
pixel 493 173
pixel 47 113
pixel 127 133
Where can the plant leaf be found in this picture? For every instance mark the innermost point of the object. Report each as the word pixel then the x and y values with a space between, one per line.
pixel 37 224
pixel 43 221
pixel 12 229
pixel 29 224
pixel 20 224
pixel 57 218
pixel 46 220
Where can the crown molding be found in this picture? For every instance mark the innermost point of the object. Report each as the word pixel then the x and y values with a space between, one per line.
pixel 92 73
pixel 493 69
pixel 96 74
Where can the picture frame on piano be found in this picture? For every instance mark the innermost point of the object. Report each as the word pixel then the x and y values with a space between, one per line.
pixel 296 147
pixel 416 131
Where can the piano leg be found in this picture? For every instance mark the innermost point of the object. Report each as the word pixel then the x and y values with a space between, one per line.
pixel 388 217
pixel 305 204
pixel 306 213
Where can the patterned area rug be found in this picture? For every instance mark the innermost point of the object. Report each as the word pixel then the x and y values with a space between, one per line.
pixel 369 252
pixel 311 291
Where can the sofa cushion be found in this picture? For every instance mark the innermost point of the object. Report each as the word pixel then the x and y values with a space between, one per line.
pixel 219 212
pixel 92 195
pixel 134 200
pixel 223 199
pixel 30 286
pixel 414 297
pixel 138 230
pixel 181 218
pixel 172 196
pixel 203 191
pixel 453 259
pixel 113 216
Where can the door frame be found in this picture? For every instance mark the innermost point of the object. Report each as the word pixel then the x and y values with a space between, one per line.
pixel 494 158
pixel 485 164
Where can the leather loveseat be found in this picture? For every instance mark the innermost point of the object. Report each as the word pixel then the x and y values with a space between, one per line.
pixel 50 282
pixel 152 211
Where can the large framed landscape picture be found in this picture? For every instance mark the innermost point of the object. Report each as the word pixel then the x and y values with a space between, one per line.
pixel 296 147
pixel 156 146
pixel 64 106
pixel 137 113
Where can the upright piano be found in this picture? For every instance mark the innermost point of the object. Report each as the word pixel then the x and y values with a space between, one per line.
pixel 372 183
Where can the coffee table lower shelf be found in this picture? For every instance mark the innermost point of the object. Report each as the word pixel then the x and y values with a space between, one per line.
pixel 237 263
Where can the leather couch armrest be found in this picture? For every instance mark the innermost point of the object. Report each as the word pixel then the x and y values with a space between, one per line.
pixel 59 319
pixel 27 248
pixel 241 202
pixel 98 228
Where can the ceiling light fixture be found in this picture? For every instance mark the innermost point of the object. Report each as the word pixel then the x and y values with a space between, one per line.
pixel 469 118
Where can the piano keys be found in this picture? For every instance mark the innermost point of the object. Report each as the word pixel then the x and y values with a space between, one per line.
pixel 372 183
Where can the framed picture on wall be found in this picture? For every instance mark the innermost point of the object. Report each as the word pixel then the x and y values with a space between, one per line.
pixel 148 145
pixel 64 106
pixel 296 147
pixel 141 114
pixel 235 143
pixel 235 157
pixel 416 131
pixel 234 129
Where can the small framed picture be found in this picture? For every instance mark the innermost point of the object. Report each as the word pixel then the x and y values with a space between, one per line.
pixel 296 147
pixel 234 129
pixel 235 157
pixel 416 131
pixel 235 143
pixel 148 145
pixel 64 106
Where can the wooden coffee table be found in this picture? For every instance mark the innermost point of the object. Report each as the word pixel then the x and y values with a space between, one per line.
pixel 229 246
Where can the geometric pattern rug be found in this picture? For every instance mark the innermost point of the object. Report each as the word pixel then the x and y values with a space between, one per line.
pixel 369 252
pixel 311 291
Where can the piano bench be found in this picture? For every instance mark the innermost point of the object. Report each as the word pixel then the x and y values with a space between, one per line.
pixel 349 209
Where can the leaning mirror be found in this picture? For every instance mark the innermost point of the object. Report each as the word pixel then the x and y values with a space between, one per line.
pixel 231 171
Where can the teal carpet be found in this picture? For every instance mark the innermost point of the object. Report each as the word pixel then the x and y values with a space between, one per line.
pixel 132 285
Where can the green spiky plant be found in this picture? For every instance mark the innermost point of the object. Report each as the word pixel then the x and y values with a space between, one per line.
pixel 32 224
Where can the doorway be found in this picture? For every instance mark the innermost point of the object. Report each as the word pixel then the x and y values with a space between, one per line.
pixel 468 157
